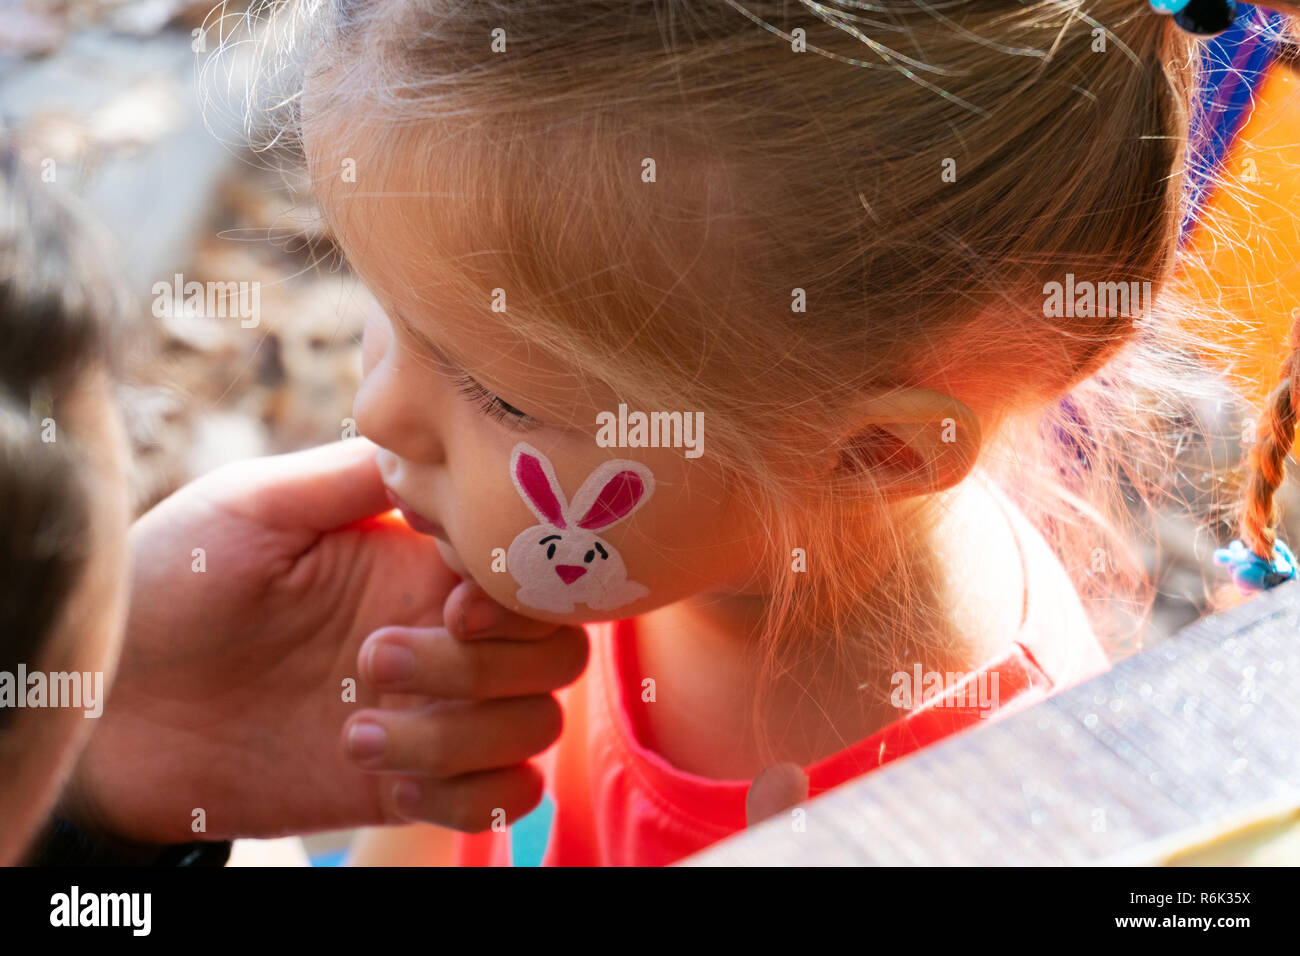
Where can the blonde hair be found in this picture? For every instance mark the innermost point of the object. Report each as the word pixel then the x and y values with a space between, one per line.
pixel 822 170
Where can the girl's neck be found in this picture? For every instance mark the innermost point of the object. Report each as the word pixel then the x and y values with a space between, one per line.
pixel 704 656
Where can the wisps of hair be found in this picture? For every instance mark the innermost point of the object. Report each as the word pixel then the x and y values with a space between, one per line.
pixel 818 135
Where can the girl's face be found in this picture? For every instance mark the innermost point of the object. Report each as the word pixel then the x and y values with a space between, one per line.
pixel 451 389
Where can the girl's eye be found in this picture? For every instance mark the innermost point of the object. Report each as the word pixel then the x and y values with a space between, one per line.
pixel 494 407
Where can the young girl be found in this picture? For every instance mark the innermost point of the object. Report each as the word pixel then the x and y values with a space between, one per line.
pixel 805 353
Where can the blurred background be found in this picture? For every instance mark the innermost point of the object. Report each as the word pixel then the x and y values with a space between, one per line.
pixel 104 94
pixel 103 97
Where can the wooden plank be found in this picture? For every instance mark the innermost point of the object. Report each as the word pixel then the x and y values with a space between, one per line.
pixel 1154 761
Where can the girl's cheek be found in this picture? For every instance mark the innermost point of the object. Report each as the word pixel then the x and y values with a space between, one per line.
pixel 523 580
pixel 558 550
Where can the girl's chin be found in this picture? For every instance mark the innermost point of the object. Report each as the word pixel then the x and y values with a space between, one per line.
pixel 581 615
pixel 451 558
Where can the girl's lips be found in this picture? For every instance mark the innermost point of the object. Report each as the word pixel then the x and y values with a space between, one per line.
pixel 417 521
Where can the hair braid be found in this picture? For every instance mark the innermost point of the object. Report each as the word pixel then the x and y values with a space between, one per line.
pixel 1277 429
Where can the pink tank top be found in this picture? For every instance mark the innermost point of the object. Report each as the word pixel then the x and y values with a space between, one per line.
pixel 619 804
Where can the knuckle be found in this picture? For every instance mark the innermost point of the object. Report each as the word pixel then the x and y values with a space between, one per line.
pixel 437 750
pixel 550 719
pixel 471 819
pixel 476 672
pixel 453 608
pixel 395 808
pixel 565 657
pixel 459 811
pixel 579 653
pixel 531 786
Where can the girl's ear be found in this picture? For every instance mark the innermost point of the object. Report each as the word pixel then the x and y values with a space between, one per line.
pixel 905 443
pixel 611 493
pixel 536 483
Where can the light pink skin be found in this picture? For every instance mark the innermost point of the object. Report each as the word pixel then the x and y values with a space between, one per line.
pixel 561 562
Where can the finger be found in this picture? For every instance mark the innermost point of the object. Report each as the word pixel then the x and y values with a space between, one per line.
pixel 470 613
pixel 778 788
pixel 319 489
pixel 432 663
pixel 470 803
pixel 453 737
pixel 327 487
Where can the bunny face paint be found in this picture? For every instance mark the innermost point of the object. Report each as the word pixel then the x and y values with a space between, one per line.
pixel 560 561
pixel 450 390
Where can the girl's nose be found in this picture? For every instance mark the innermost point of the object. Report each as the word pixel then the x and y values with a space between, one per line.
pixel 391 409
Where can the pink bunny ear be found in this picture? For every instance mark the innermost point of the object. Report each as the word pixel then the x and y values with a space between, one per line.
pixel 618 497
pixel 535 482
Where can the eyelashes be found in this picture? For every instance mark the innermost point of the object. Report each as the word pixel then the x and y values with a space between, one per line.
pixel 488 403
pixel 493 407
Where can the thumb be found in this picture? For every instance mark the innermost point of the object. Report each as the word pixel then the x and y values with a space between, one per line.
pixel 316 490
pixel 782 786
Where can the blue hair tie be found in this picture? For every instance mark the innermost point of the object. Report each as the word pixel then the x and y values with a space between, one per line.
pixel 1252 573
pixel 1205 18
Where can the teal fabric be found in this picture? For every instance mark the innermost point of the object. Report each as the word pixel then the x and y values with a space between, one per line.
pixel 529 836
pixel 528 839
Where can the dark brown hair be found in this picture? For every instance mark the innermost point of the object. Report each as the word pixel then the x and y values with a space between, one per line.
pixel 55 310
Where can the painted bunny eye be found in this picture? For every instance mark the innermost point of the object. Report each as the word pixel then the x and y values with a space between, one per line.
pixel 590 556
pixel 550 551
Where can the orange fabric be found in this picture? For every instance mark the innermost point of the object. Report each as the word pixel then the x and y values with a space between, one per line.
pixel 1244 254
pixel 620 804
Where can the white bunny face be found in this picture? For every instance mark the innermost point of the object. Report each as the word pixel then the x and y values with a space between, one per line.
pixel 560 562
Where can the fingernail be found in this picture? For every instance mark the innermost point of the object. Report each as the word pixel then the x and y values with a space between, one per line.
pixel 391 663
pixel 366 741
pixel 406 797
pixel 482 615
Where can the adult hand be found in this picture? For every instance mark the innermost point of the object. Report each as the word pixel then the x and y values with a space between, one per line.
pixel 254 590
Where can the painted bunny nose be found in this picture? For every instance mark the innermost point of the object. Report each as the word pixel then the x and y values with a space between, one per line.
pixel 570 572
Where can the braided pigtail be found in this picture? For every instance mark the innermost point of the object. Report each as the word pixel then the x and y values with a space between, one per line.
pixel 1259 559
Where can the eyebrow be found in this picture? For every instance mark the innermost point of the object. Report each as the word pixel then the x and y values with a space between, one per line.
pixel 419 335
pixel 440 356
pixel 547 416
